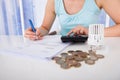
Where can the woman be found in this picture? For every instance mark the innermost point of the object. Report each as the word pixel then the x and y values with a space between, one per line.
pixel 76 15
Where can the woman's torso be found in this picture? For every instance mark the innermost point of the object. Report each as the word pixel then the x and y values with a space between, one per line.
pixel 71 16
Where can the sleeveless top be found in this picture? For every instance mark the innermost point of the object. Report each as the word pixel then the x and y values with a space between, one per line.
pixel 87 15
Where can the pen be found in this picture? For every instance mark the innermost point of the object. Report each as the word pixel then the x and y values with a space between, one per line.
pixel 32 26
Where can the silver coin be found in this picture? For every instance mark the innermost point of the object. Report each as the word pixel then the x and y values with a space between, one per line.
pixel 90 62
pixel 91 52
pixel 73 58
pixel 100 56
pixel 65 66
pixel 56 58
pixel 64 55
pixel 94 58
pixel 60 61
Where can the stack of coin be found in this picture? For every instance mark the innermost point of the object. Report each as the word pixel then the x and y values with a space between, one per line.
pixel 74 58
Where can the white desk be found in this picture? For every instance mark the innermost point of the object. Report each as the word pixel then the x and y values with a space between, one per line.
pixel 13 67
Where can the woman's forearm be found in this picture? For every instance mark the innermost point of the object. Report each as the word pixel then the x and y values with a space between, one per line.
pixel 113 31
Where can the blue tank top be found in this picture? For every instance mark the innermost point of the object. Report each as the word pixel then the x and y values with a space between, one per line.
pixel 87 15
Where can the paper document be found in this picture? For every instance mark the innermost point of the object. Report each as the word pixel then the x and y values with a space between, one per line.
pixel 46 48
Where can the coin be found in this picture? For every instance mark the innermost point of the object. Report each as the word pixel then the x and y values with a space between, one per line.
pixel 77 65
pixel 70 51
pixel 91 52
pixel 65 66
pixel 56 58
pixel 73 62
pixel 74 52
pixel 100 56
pixel 60 61
pixel 64 55
pixel 94 58
pixel 83 55
pixel 69 58
pixel 75 55
pixel 79 51
pixel 73 58
pixel 78 58
pixel 90 62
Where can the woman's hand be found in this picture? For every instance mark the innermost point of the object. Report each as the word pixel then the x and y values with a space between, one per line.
pixel 79 30
pixel 32 35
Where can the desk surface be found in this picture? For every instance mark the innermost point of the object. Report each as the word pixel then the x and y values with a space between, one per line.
pixel 14 67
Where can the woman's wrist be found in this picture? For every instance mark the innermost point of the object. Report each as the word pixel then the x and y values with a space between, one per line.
pixel 43 31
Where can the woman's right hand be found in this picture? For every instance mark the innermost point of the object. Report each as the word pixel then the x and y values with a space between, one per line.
pixel 33 35
pixel 78 30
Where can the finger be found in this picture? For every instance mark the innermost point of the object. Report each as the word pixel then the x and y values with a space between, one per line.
pixel 33 39
pixel 81 31
pixel 78 32
pixel 69 33
pixel 37 32
pixel 40 38
pixel 30 33
pixel 74 32
pixel 29 29
pixel 86 32
pixel 30 36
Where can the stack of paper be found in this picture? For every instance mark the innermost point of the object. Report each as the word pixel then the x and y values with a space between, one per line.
pixel 46 48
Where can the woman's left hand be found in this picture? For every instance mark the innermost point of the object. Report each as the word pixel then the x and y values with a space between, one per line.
pixel 78 30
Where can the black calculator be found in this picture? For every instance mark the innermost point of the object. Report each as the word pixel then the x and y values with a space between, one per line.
pixel 76 38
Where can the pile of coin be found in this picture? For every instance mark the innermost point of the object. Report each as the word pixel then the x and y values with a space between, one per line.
pixel 74 58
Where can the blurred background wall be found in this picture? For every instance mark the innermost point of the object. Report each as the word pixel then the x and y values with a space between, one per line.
pixel 14 16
